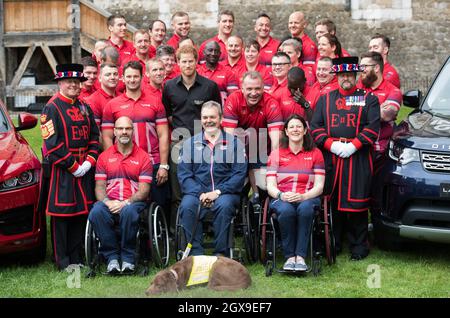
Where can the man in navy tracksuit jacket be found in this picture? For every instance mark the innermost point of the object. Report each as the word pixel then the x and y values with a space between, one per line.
pixel 212 169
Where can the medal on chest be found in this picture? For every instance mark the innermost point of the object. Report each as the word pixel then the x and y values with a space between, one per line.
pixel 359 101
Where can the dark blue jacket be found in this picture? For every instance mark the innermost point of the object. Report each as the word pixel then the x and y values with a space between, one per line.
pixel 202 169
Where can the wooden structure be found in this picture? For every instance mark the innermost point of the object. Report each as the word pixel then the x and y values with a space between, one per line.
pixel 48 25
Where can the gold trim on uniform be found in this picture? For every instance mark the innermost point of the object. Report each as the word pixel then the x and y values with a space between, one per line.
pixel 47 129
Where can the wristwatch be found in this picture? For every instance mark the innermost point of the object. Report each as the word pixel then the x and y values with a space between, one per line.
pixel 167 167
pixel 306 105
pixel 218 192
pixel 279 194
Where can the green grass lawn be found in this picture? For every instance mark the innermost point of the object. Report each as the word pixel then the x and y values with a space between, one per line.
pixel 420 270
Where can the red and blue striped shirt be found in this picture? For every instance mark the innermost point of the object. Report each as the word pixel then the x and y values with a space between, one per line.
pixel 295 172
pixel 123 173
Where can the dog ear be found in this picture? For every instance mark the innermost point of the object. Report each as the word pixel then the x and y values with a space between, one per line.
pixel 163 282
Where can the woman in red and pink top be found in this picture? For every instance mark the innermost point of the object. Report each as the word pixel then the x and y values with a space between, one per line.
pixel 295 179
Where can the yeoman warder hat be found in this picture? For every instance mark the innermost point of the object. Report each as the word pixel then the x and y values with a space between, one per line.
pixel 64 71
pixel 348 64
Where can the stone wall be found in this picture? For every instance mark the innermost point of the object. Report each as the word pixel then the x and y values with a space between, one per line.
pixel 419 34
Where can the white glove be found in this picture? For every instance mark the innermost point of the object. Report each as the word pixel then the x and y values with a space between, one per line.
pixel 349 149
pixel 337 148
pixel 79 172
pixel 86 166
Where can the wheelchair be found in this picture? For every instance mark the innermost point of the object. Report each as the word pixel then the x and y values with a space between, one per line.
pixel 152 242
pixel 321 243
pixel 242 233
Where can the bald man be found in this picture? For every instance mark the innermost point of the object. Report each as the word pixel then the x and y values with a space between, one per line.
pixel 122 185
pixel 297 25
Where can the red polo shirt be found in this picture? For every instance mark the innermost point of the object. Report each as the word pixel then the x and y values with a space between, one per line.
pixel 386 92
pixel 261 69
pixel 125 50
pixel 224 78
pixel 267 51
pixel 123 173
pixel 390 74
pixel 267 114
pixel 277 88
pixel 85 93
pixel 223 49
pixel 316 91
pixel 150 90
pixel 151 51
pixel 295 172
pixel 147 112
pixel 309 51
pixel 175 72
pixel 390 94
pixel 288 105
pixel 173 41
pixel 98 102
pixel 236 66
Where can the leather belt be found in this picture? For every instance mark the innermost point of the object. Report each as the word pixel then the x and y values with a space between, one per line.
pixel 344 140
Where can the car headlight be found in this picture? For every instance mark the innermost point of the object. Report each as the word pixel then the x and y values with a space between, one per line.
pixel 401 154
pixel 25 179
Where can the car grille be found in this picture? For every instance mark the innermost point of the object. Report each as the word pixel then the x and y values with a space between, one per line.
pixel 17 221
pixel 436 162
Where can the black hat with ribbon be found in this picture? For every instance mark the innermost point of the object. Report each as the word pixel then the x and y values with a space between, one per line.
pixel 65 71
pixel 348 64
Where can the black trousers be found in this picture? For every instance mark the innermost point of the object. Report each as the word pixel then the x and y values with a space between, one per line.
pixel 67 240
pixel 377 187
pixel 354 224
pixel 176 196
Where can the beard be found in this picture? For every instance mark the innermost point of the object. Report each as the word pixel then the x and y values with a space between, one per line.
pixel 369 79
pixel 124 140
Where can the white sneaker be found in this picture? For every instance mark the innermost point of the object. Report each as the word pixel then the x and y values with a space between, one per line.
pixel 127 267
pixel 113 267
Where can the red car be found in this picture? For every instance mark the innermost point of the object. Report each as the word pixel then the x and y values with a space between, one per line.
pixel 22 224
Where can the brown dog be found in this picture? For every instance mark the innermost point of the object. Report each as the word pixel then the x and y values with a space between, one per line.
pixel 225 274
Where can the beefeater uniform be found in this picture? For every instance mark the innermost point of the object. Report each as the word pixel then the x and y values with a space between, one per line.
pixel 70 137
pixel 348 116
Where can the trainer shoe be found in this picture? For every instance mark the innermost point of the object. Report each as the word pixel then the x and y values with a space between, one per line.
pixel 113 267
pixel 300 266
pixel 127 267
pixel 289 265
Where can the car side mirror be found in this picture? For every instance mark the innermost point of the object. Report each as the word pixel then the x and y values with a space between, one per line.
pixel 412 98
pixel 26 121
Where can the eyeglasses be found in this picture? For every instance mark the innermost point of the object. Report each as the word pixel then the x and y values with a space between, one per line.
pixel 362 67
pixel 280 64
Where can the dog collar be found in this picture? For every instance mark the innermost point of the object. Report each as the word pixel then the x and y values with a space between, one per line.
pixel 174 273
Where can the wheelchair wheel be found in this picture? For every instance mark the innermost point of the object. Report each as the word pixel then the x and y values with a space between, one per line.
pixel 316 267
pixel 91 249
pixel 250 232
pixel 330 248
pixel 159 235
pixel 264 224
pixel 180 239
pixel 269 268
